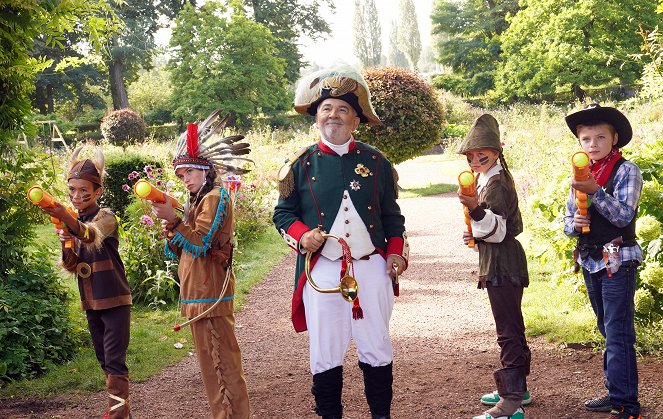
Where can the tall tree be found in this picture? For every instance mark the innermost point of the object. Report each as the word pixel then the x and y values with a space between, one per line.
pixel 288 20
pixel 224 60
pixel 469 39
pixel 134 48
pixel 395 57
pixel 367 33
pixel 564 44
pixel 409 39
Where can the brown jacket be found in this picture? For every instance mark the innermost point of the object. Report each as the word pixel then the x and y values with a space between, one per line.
pixel 95 260
pixel 203 246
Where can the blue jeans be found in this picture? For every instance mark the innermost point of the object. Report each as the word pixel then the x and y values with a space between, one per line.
pixel 612 301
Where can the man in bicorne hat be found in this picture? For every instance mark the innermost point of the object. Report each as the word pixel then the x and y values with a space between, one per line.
pixel 345 188
pixel 609 253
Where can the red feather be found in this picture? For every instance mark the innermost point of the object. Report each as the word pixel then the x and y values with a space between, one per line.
pixel 192 140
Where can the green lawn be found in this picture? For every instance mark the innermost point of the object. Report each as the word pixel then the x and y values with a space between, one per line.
pixel 152 340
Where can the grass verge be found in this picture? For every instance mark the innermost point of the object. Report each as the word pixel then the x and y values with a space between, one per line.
pixel 152 345
pixel 432 189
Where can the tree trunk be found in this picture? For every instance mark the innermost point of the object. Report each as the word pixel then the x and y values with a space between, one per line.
pixel 118 90
pixel 49 97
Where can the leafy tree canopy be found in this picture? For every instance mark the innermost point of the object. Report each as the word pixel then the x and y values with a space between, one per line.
pixel 469 37
pixel 227 62
pixel 287 20
pixel 556 44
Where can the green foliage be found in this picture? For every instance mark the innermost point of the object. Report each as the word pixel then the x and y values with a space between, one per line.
pixel 470 42
pixel 410 110
pixel 34 323
pixel 122 127
pixel 409 39
pixel 222 62
pixel 150 96
pixel 288 20
pixel 118 168
pixel 254 203
pixel 152 278
pixel 367 33
pixel 552 45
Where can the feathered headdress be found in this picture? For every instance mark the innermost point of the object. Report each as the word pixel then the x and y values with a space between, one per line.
pixel 199 147
pixel 88 169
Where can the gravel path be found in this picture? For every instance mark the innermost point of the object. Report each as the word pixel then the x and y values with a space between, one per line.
pixel 443 336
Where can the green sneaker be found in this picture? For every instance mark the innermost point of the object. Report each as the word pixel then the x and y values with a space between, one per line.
pixel 518 414
pixel 491 399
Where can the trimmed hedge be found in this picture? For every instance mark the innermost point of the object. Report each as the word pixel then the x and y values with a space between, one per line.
pixel 411 113
pixel 118 167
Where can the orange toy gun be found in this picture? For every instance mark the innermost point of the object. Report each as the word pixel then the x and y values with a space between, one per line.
pixel 145 190
pixel 580 163
pixel 39 196
pixel 468 188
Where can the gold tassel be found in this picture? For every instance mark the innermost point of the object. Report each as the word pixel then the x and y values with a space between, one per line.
pixel 287 185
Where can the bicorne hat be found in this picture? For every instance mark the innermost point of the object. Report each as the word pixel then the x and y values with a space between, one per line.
pixel 344 83
pixel 595 113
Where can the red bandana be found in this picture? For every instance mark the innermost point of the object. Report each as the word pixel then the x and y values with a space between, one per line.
pixel 601 169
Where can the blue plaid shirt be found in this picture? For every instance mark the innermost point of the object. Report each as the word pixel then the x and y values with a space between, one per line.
pixel 618 208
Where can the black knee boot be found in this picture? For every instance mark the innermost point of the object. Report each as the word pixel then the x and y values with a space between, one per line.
pixel 327 388
pixel 377 387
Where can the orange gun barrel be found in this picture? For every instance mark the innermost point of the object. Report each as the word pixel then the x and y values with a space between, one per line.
pixel 580 163
pixel 468 187
pixel 38 196
pixel 145 190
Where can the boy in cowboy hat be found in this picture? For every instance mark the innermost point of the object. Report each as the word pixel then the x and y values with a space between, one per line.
pixel 496 221
pixel 346 188
pixel 614 188
pixel 104 289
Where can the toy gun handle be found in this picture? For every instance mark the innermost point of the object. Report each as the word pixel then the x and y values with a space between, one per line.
pixel 145 190
pixel 468 187
pixel 580 163
pixel 38 196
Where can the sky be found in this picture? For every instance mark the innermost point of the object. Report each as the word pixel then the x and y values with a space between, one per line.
pixel 338 47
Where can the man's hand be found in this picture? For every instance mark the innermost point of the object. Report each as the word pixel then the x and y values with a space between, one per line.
pixel 398 261
pixel 312 240
pixel 165 211
pixel 588 186
pixel 60 212
pixel 470 201
pixel 580 221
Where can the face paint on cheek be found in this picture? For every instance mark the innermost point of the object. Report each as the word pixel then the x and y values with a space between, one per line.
pixel 86 198
pixel 484 160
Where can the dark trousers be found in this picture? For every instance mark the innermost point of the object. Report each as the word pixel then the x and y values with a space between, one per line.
pixel 612 301
pixel 505 303
pixel 110 336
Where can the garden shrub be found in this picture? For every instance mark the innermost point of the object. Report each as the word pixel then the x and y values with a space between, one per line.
pixel 118 168
pixel 122 127
pixel 35 329
pixel 409 109
pixel 152 277
pixel 163 132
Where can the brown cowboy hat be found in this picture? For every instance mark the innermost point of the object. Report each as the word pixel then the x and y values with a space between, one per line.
pixel 594 113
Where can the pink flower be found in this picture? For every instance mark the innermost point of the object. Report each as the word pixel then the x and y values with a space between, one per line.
pixel 159 183
pixel 146 220
pixel 159 171
pixel 126 188
pixel 133 175
pixel 148 169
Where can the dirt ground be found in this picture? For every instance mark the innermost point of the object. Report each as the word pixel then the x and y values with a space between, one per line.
pixel 444 344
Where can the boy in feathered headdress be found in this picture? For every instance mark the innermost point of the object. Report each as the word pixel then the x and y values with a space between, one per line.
pixel 202 240
pixel 103 286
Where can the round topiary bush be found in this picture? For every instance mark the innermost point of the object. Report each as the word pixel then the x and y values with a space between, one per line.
pixel 122 127
pixel 411 113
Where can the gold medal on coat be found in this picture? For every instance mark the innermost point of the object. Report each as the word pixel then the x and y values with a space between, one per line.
pixel 362 170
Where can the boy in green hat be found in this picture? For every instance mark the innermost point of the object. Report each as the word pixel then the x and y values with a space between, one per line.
pixel 495 222
pixel 614 187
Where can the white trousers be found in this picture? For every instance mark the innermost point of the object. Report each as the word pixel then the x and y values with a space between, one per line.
pixel 329 316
